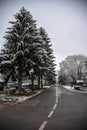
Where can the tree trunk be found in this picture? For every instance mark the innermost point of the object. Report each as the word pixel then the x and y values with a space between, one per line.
pixel 45 82
pixel 38 81
pixel 20 76
pixel 32 80
pixel 41 81
pixel 8 77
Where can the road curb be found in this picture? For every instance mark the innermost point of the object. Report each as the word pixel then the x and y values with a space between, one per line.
pixel 73 90
pixel 30 97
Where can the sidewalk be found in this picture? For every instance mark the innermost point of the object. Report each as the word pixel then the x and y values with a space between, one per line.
pixel 74 90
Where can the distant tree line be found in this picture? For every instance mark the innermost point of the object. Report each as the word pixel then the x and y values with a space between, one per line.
pixel 27 52
pixel 73 68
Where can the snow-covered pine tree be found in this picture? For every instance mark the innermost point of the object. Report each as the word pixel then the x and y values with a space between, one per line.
pixel 48 68
pixel 21 40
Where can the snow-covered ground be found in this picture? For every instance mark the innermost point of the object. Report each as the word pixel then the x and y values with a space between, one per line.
pixel 69 87
pixel 46 86
pixel 19 99
pixel 73 89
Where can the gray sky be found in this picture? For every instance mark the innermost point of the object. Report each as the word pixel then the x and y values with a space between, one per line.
pixel 65 22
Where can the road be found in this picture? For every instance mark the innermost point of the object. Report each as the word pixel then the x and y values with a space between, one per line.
pixel 54 109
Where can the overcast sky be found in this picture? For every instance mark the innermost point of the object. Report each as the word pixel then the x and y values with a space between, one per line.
pixel 65 22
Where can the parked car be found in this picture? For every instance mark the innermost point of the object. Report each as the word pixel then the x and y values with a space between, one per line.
pixel 29 85
pixel 13 84
pixel 79 82
pixel 84 85
pixel 16 85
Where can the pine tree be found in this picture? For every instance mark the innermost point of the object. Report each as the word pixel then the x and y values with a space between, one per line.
pixel 21 40
pixel 48 68
pixel 27 48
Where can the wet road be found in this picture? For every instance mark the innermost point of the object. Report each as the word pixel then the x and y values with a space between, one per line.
pixel 54 109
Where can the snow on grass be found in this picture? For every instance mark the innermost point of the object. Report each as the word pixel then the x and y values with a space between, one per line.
pixel 46 86
pixel 68 87
pixel 20 99
pixel 74 90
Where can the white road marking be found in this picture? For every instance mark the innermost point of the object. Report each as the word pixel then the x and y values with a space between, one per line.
pixel 43 125
pixel 53 109
pixel 55 106
pixel 56 101
pixel 51 113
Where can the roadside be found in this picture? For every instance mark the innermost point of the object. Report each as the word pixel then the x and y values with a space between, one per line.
pixel 8 100
pixel 83 90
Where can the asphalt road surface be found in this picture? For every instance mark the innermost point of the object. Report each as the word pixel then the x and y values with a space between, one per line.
pixel 54 109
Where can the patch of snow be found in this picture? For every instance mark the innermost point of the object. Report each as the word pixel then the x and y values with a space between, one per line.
pixel 74 90
pixel 1 80
pixel 19 99
pixel 46 86
pixel 68 87
pixel 5 62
